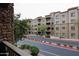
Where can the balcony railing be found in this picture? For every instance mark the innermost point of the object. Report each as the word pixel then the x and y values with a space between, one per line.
pixel 7 49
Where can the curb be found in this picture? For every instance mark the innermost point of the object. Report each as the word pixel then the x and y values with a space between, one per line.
pixel 56 44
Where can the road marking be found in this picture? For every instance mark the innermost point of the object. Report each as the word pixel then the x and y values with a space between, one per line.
pixel 59 46
pixel 63 47
pixel 50 53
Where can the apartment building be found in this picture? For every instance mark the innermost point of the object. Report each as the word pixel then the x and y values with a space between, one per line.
pixel 57 18
pixel 66 23
pixel 49 24
pixel 47 20
pixel 61 24
pixel 41 21
pixel 73 14
pixel 35 22
pixel 64 26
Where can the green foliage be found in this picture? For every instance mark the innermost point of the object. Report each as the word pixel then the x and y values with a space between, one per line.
pixel 21 27
pixel 42 29
pixel 23 46
pixel 28 47
pixel 34 51
pixel 47 35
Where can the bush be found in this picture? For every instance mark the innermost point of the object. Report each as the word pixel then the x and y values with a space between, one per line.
pixel 28 47
pixel 15 45
pixel 34 51
pixel 47 36
pixel 23 46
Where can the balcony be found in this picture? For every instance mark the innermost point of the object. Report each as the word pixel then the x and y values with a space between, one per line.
pixel 48 23
pixel 39 20
pixel 7 49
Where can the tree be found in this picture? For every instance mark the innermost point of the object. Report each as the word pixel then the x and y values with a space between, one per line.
pixel 42 29
pixel 21 27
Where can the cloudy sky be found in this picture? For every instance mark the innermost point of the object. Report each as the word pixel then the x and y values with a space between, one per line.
pixel 35 8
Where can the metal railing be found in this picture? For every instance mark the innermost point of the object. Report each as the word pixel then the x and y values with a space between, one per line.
pixel 7 49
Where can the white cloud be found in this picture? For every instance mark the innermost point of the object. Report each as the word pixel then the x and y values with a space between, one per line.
pixel 32 10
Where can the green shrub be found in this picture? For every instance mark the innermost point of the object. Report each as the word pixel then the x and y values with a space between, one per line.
pixel 34 51
pixel 47 36
pixel 15 45
pixel 28 47
pixel 23 46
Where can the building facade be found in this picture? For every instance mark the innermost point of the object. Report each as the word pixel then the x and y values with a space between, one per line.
pixel 60 24
pixel 73 14
pixel 6 22
pixel 49 24
pixel 35 22
pixel 66 24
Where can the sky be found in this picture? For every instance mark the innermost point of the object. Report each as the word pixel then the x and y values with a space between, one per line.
pixel 36 8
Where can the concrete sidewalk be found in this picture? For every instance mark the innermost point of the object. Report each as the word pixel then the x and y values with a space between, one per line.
pixel 57 38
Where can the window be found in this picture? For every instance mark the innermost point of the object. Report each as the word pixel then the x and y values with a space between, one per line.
pixel 39 20
pixel 48 18
pixel 39 24
pixel 72 34
pixel 48 23
pixel 63 21
pixel 52 28
pixel 57 28
pixel 72 20
pixel 63 16
pixel 57 22
pixel 48 28
pixel 35 28
pixel 72 27
pixel 73 14
pixel 57 17
pixel 63 27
